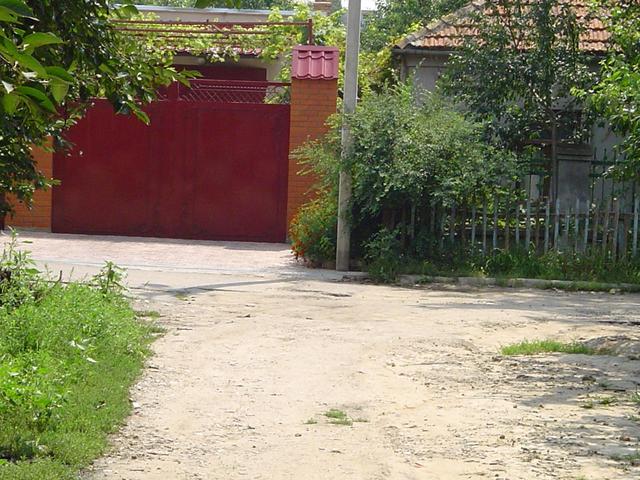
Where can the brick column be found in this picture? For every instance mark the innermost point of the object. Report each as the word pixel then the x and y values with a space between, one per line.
pixel 314 94
pixel 39 217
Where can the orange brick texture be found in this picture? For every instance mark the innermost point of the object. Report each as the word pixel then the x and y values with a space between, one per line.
pixel 312 103
pixel 39 217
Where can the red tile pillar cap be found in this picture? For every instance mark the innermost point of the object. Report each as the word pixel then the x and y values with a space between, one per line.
pixel 311 62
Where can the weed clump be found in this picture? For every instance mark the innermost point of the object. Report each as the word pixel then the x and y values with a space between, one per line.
pixel 68 355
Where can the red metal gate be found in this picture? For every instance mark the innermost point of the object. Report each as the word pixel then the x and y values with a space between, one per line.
pixel 212 165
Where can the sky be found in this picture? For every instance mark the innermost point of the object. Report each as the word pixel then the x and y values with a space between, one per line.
pixel 366 4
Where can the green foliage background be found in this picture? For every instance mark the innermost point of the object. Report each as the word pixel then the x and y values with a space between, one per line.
pixel 616 97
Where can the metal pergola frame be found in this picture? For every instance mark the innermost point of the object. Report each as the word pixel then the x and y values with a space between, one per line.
pixel 175 29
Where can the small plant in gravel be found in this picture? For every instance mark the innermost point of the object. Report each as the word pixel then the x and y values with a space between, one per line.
pixel 546 346
pixel 632 459
pixel 338 417
pixel 605 401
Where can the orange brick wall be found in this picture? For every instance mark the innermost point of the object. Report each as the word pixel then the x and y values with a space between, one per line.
pixel 312 102
pixel 40 214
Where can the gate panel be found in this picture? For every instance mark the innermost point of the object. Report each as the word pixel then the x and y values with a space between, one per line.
pixel 243 193
pixel 105 182
pixel 201 170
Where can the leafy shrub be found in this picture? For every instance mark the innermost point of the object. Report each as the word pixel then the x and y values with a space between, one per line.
pixel 313 230
pixel 20 280
pixel 383 256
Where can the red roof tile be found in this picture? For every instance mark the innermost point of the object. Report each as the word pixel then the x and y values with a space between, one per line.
pixel 449 32
pixel 317 63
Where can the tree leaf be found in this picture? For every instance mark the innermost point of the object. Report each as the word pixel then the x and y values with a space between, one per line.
pixel 27 61
pixel 59 90
pixel 209 3
pixel 10 103
pixel 39 39
pixel 60 73
pixel 7 15
pixel 126 11
pixel 39 96
pixel 143 117
pixel 19 7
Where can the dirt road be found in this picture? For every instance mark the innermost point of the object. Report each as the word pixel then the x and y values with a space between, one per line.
pixel 257 350
pixel 241 381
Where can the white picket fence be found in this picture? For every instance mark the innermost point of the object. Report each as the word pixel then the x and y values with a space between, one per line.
pixel 540 225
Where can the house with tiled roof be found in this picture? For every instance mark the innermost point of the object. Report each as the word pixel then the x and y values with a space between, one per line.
pixel 423 56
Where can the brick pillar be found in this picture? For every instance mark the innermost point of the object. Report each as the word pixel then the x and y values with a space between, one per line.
pixel 314 94
pixel 39 217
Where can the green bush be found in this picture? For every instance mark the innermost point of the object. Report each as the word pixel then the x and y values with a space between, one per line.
pixel 411 150
pixel 67 358
pixel 383 256
pixel 313 230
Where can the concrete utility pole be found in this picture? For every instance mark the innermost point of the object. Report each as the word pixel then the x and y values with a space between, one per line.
pixel 349 102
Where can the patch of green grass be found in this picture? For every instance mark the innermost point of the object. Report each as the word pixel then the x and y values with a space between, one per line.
pixel 311 421
pixel 632 459
pixel 635 398
pixel 335 414
pixel 546 346
pixel 341 421
pixel 67 361
pixel 338 417
pixel 588 271
pixel 148 314
pixel 607 401
pixel 588 405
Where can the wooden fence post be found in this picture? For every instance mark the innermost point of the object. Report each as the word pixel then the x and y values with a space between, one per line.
pixel 605 227
pixel 441 227
pixel 473 226
pixel 517 224
pixel 596 219
pixel 556 227
pixel 576 226
pixel 636 211
pixel 507 233
pixel 546 226
pixel 484 228
pixel 616 228
pixel 495 224
pixel 585 244
pixel 538 222
pixel 527 235
pixel 452 224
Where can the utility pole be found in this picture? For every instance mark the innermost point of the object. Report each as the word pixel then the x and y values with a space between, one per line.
pixel 349 101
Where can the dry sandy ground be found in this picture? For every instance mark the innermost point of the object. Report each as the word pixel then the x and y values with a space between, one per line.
pixel 239 384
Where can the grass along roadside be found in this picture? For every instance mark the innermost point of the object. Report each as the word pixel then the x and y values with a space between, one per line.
pixel 536 347
pixel 68 356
